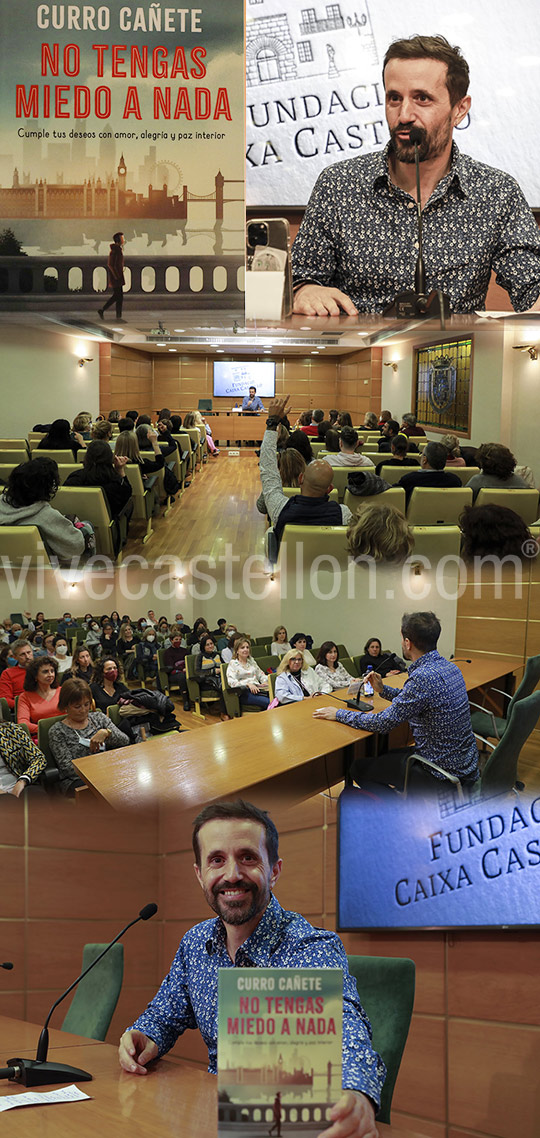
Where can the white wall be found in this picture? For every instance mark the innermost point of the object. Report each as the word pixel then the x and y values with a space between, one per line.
pixel 40 377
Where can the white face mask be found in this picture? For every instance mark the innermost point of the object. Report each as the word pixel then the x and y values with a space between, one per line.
pixel 150 639
pixel 61 649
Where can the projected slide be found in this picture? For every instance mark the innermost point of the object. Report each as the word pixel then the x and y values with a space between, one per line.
pixel 234 380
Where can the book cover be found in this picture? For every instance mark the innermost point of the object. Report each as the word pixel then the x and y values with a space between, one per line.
pixel 279 1049
pixel 121 118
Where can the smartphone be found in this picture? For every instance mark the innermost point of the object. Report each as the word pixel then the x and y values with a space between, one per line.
pixel 367 687
pixel 268 248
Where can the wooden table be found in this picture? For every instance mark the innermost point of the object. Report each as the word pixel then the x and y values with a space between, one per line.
pixel 279 757
pixel 237 426
pixel 175 1100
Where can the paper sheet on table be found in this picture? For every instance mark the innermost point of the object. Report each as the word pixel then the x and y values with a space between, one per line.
pixel 40 1098
pixel 495 315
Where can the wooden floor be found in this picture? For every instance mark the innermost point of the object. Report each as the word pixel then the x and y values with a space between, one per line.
pixel 217 509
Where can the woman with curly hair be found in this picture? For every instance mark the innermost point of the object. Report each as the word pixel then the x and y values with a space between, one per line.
pixel 107 685
pixel 497 465
pixel 380 532
pixel 493 531
pixel 25 502
pixel 39 698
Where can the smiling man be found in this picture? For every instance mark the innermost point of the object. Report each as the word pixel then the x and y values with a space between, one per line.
pixel 357 245
pixel 237 866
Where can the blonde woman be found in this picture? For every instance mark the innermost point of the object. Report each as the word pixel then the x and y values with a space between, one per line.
pixel 280 644
pixel 200 422
pixel 380 532
pixel 295 680
pixel 244 674
pixel 127 446
pixel 451 445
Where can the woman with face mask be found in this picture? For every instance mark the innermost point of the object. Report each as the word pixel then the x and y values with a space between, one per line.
pixel 93 638
pixel 107 682
pixel 146 654
pixel 62 654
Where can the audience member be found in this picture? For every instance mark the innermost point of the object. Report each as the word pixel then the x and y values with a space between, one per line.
pixel 410 427
pixel 128 447
pixel 133 415
pixel 384 417
pixel 370 422
pixel 107 685
pixel 207 670
pixel 245 675
pixel 81 665
pixel 81 732
pixel 68 622
pixel 125 647
pixel 379 532
pixel 39 698
pixel 93 638
pixel 109 639
pixel 331 442
pixel 21 762
pixel 497 465
pixel 102 468
pixel 385 663
pixel 115 620
pixel 13 677
pixel 146 655
pixel 61 437
pixel 102 432
pixel 82 424
pixel 312 428
pixel 176 424
pixel 174 658
pixel 329 669
pixel 400 454
pixel 25 502
pixel 312 506
pixel 344 420
pixel 453 453
pixel 349 454
pixel 299 441
pixel 280 644
pixel 333 415
pixel 323 428
pixel 431 473
pixel 61 654
pixel 300 641
pixel 199 626
pixel 491 531
pixel 295 680
pixel 227 653
pixel 126 424
pixel 114 416
pixel 390 428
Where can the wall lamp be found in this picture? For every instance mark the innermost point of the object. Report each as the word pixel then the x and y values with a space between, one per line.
pixel 393 365
pixel 85 360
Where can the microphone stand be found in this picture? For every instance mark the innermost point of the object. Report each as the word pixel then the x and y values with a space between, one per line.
pixel 38 1072
pixel 408 304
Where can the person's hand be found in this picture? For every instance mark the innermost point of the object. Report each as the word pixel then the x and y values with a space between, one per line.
pixel 352 1116
pixel 254 688
pixel 318 300
pixel 395 672
pixel 79 438
pixel 100 737
pixel 375 679
pixel 277 408
pixel 325 712
pixel 19 787
pixel 120 460
pixel 135 1051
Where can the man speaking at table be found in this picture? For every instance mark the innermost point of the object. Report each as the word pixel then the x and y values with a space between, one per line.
pixel 433 701
pixel 237 866
pixel 357 246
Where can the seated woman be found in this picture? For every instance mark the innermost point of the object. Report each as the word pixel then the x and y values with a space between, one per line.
pixel 21 762
pixel 451 445
pixel 497 465
pixel 329 668
pixel 207 669
pixel 107 685
pixel 174 658
pixel 201 422
pixel 81 665
pixel 82 732
pixel 61 437
pixel 200 625
pixel 146 654
pixel 103 469
pixel 40 695
pixel 168 448
pixel 25 502
pixel 494 531
pixel 331 442
pixel 82 424
pixel 228 652
pixel 61 654
pixel 125 647
pixel 127 447
pixel 280 644
pixel 291 465
pixel 244 674
pixel 109 639
pixel 385 663
pixel 299 641
pixel 380 533
pixel 295 680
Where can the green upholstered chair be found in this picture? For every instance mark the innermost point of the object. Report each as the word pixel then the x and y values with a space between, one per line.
pixel 395 496
pixel 386 991
pixel 484 722
pixel 392 474
pixel 435 542
pixel 22 542
pixel 522 502
pixel 232 700
pixel 500 771
pixel 464 473
pixel 431 506
pixel 198 694
pixel 96 996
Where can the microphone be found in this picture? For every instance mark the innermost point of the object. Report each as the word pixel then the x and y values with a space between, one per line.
pixel 459 660
pixel 7 965
pixel 408 304
pixel 37 1072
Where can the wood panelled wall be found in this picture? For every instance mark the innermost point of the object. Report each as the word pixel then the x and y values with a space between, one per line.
pixel 472 1057
pixel 125 379
pixel 73 872
pixel 132 378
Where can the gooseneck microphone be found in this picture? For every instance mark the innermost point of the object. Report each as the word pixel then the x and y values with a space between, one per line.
pixel 7 965
pixel 409 304
pixel 37 1072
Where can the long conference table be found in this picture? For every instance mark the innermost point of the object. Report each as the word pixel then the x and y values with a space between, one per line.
pixel 175 1100
pixel 278 757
